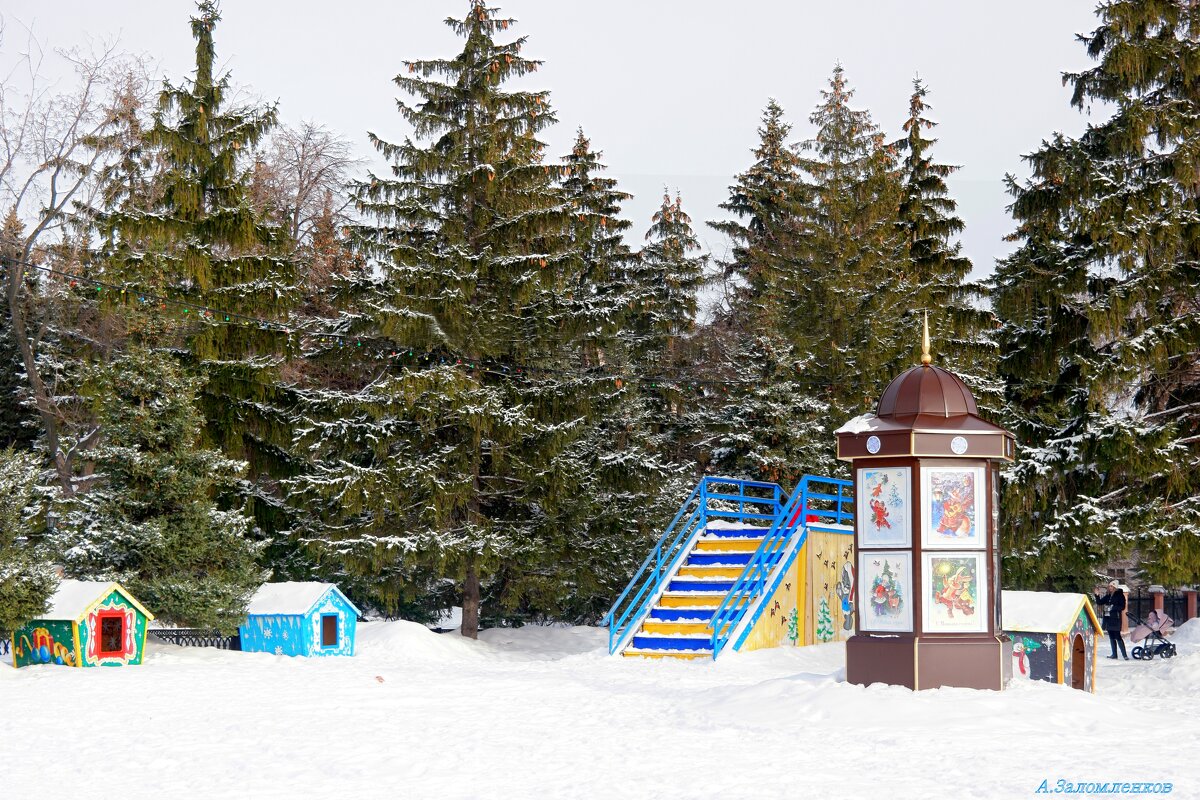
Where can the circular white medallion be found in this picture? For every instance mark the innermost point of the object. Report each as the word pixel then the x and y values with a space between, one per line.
pixel 959 445
pixel 873 444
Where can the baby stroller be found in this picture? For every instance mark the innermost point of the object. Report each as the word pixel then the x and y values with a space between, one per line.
pixel 1153 633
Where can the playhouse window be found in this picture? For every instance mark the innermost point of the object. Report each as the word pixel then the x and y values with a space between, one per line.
pixel 112 635
pixel 329 635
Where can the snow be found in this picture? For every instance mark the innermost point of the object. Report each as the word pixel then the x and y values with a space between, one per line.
pixel 287 597
pixel 732 525
pixel 545 712
pixel 860 424
pixel 1187 633
pixel 73 598
pixel 1040 612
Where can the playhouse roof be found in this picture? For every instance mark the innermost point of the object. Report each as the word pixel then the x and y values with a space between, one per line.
pixel 74 599
pixel 1044 612
pixel 291 597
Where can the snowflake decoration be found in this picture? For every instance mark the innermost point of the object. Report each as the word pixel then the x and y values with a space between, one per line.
pixel 278 651
pixel 267 633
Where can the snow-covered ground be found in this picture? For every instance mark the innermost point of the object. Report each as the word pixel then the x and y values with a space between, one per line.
pixel 545 713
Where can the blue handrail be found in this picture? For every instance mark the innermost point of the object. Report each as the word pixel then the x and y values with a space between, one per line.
pixel 793 518
pixel 712 498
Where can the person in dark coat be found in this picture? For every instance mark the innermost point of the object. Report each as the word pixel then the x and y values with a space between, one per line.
pixel 1115 600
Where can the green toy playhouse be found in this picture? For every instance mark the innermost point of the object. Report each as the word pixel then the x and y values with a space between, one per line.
pixel 89 624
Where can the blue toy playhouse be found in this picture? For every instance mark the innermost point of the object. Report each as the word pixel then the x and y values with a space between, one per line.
pixel 300 618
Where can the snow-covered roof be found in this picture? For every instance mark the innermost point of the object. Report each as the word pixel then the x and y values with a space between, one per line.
pixel 74 599
pixel 291 597
pixel 1043 612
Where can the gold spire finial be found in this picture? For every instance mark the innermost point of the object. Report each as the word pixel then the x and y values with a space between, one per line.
pixel 925 357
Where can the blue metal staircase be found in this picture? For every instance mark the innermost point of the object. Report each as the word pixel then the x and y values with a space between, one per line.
pixel 706 581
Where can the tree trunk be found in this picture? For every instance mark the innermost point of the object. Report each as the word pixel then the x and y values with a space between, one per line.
pixel 470 606
pixel 41 395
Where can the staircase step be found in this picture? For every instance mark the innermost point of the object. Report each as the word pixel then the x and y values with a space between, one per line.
pixel 630 652
pixel 693 600
pixel 705 571
pixel 722 585
pixel 651 642
pixel 707 559
pixel 682 614
pixel 727 545
pixel 668 628
pixel 746 533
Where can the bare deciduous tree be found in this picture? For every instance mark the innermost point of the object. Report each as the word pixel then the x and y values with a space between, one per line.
pixel 54 149
pixel 301 171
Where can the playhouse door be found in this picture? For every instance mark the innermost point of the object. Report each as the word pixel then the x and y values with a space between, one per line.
pixel 1077 662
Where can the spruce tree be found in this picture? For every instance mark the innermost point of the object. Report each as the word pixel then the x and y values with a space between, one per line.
pixel 850 291
pixel 26 579
pixel 766 200
pixel 149 520
pixel 618 463
pixel 1101 332
pixel 765 407
pixel 441 465
pixel 670 277
pixel 18 425
pixel 827 312
pixel 936 268
pixel 188 230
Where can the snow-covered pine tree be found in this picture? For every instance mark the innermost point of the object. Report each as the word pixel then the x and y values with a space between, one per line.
pixel 830 321
pixel 851 295
pixel 26 579
pixel 442 464
pixel 961 325
pixel 766 200
pixel 189 230
pixel 1101 328
pixel 765 409
pixel 665 280
pixel 669 274
pixel 18 426
pixel 615 469
pixel 148 519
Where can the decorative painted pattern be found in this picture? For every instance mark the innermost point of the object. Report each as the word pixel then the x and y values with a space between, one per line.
pixel 781 616
pixel 300 634
pixel 830 586
pixel 44 642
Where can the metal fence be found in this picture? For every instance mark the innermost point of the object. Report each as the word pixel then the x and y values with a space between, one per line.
pixel 5 643
pixel 1140 602
pixel 197 637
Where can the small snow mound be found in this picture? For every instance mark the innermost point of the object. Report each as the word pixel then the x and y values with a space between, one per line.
pixel 1188 632
pixel 411 641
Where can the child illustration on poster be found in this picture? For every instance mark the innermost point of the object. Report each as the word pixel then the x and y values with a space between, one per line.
pixel 954 501
pixel 883 507
pixel 886 603
pixel 953 599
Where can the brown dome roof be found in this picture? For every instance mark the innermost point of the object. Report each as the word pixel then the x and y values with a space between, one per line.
pixel 926 390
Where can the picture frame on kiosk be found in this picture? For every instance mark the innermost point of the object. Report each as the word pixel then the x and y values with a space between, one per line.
pixel 885 591
pixel 955 593
pixel 884 507
pixel 954 508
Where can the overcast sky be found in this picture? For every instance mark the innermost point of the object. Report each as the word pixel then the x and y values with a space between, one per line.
pixel 671 91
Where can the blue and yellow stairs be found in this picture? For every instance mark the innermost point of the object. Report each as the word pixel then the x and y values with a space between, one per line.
pixel 709 577
pixel 679 625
